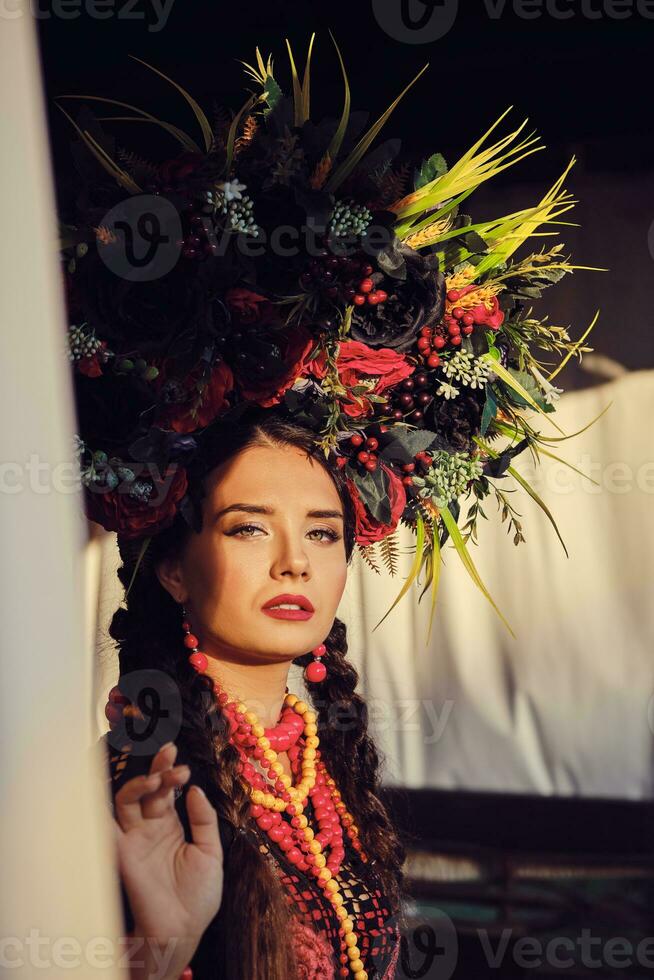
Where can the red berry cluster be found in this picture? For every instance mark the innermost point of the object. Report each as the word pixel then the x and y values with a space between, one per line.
pixel 421 462
pixel 342 277
pixel 459 320
pixel 409 399
pixel 429 341
pixel 366 292
pixel 366 455
pixel 196 219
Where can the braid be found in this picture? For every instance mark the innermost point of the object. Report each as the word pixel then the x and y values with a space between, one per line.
pixel 353 760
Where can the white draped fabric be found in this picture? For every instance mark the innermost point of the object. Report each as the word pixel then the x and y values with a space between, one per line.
pixel 59 906
pixel 567 707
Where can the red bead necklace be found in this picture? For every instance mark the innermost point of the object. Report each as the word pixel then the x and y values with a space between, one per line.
pixel 319 854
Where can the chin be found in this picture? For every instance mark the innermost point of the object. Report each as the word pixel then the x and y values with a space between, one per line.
pixel 295 638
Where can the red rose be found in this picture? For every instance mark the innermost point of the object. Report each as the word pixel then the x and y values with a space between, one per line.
pixel 367 529
pixel 119 511
pixel 247 306
pixel 489 318
pixel 295 345
pixel 357 363
pixel 201 406
pixel 172 172
pixel 92 366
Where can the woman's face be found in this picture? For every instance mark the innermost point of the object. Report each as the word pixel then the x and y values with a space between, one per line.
pixel 243 559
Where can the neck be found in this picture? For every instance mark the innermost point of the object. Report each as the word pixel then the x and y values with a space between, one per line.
pixel 261 687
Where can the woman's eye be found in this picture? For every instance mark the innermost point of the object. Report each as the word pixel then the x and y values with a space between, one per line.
pixel 244 527
pixel 331 535
pixel 242 530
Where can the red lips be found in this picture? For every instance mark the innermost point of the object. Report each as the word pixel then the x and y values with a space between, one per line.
pixel 299 600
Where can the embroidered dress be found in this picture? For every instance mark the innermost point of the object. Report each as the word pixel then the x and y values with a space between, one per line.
pixel 315 925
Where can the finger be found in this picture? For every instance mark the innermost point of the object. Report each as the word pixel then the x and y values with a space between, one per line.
pixel 203 821
pixel 127 801
pixel 162 801
pixel 117 831
pixel 164 758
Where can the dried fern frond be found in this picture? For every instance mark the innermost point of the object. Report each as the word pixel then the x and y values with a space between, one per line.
pixel 369 555
pixel 393 185
pixel 250 127
pixel 136 165
pixel 388 548
pixel 319 175
pixel 221 121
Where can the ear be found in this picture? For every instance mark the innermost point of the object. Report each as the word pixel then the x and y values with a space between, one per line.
pixel 170 575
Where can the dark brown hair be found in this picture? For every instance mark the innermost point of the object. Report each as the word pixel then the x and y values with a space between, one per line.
pixel 148 635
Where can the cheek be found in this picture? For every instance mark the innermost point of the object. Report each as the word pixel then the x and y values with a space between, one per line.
pixel 333 576
pixel 225 578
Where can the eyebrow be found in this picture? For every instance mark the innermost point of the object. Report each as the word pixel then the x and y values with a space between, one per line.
pixel 258 509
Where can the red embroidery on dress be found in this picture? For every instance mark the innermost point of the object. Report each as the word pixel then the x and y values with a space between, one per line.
pixel 315 957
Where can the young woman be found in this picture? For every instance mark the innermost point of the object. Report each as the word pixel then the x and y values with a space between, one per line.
pixel 296 270
pixel 219 877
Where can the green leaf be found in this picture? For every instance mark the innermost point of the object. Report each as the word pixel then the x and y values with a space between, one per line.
pixel 374 493
pixel 103 158
pixel 143 549
pixel 272 94
pixel 348 165
pixel 513 383
pixel 417 564
pixel 490 410
pixel 468 563
pixel 337 139
pixel 435 577
pixel 199 114
pixel 434 167
pixel 531 386
pixel 532 493
pixel 143 116
pixel 545 452
pixel 407 442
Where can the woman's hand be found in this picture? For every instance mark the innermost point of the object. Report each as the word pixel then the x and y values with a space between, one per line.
pixel 174 887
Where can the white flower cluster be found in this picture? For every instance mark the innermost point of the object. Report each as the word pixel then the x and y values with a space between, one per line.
pixel 466 369
pixel 82 342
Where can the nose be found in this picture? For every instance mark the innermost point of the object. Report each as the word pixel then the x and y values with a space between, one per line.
pixel 291 559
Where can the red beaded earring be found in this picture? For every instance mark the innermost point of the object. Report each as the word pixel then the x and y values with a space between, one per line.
pixel 316 670
pixel 196 659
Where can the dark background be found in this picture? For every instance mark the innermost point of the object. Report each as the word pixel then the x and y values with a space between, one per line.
pixel 583 83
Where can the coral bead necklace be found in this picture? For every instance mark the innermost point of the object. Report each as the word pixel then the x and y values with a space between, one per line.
pixel 296 733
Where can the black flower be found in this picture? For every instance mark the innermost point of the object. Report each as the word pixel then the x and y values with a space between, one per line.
pixel 415 298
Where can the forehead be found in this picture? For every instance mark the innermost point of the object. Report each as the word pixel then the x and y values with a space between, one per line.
pixel 274 475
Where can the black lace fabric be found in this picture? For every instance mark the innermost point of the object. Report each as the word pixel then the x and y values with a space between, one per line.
pixel 375 924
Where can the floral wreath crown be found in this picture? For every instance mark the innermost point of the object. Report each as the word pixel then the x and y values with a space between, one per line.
pixel 291 266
